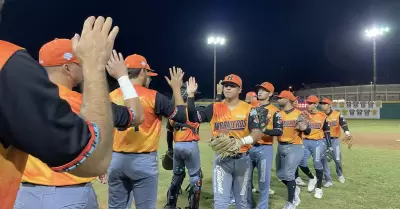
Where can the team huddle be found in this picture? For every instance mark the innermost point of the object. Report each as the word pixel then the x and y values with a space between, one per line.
pixel 243 134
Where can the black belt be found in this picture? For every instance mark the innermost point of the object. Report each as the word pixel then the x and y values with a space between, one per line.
pixel 258 144
pixel 285 143
pixel 187 141
pixel 313 139
pixel 133 152
pixel 27 184
pixel 240 155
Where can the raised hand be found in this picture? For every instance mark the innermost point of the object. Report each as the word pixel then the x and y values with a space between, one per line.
pixel 96 42
pixel 116 65
pixel 191 86
pixel 176 75
pixel 220 87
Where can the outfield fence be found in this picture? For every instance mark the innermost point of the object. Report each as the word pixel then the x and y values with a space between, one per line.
pixel 388 92
pixel 387 110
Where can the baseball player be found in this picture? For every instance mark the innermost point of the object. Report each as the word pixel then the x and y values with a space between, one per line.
pixel 186 154
pixel 290 149
pixel 135 159
pixel 300 106
pixel 237 119
pixel 65 71
pixel 251 98
pixel 261 154
pixel 315 146
pixel 219 98
pixel 336 120
pixel 25 87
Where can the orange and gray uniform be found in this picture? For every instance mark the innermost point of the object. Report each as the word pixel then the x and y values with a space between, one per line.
pixel 261 154
pixel 40 181
pixel 314 143
pixel 51 133
pixel 336 121
pixel 290 145
pixel 186 154
pixel 135 158
pixel 238 123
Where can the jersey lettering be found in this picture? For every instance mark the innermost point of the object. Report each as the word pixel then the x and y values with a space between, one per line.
pixel 230 125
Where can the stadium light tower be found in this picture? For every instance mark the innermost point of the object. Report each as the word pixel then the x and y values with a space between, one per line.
pixel 215 41
pixel 374 33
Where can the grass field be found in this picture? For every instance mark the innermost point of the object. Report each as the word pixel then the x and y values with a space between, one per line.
pixel 371 169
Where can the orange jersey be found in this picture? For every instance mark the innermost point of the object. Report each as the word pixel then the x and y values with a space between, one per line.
pixel 289 121
pixel 334 123
pixel 37 172
pixel 143 138
pixel 317 122
pixel 232 122
pixel 12 160
pixel 188 131
pixel 272 109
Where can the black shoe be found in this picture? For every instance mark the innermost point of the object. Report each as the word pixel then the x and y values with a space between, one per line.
pixel 171 207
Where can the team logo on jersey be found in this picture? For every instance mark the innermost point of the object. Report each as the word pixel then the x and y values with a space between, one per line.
pixel 289 123
pixel 316 125
pixel 333 123
pixel 230 125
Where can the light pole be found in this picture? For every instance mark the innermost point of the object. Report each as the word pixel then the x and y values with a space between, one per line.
pixel 215 40
pixel 374 33
pixel 371 91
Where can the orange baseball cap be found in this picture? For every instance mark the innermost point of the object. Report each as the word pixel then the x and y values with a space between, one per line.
pixel 326 101
pixel 57 52
pixel 312 99
pixel 150 73
pixel 267 86
pixel 251 94
pixel 137 61
pixel 287 95
pixel 232 78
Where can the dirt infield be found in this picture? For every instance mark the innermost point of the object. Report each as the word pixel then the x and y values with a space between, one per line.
pixel 378 140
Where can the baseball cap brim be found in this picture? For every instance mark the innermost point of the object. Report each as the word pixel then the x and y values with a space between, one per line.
pixel 225 82
pixel 152 73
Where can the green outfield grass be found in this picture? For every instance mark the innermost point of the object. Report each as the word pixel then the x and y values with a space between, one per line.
pixel 371 175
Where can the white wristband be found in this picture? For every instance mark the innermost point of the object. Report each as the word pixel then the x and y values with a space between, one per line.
pixel 247 140
pixel 347 133
pixel 127 88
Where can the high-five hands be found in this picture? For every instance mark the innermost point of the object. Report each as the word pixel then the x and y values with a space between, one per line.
pixel 95 43
pixel 191 87
pixel 176 75
pixel 116 66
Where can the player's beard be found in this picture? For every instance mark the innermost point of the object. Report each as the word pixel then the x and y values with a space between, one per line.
pixel 282 104
pixel 145 82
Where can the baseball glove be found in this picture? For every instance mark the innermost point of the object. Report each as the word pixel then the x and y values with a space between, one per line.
pixel 167 160
pixel 103 178
pixel 225 145
pixel 328 155
pixel 263 117
pixel 303 121
pixel 349 141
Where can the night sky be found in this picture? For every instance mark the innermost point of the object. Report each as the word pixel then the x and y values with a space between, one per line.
pixel 287 42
